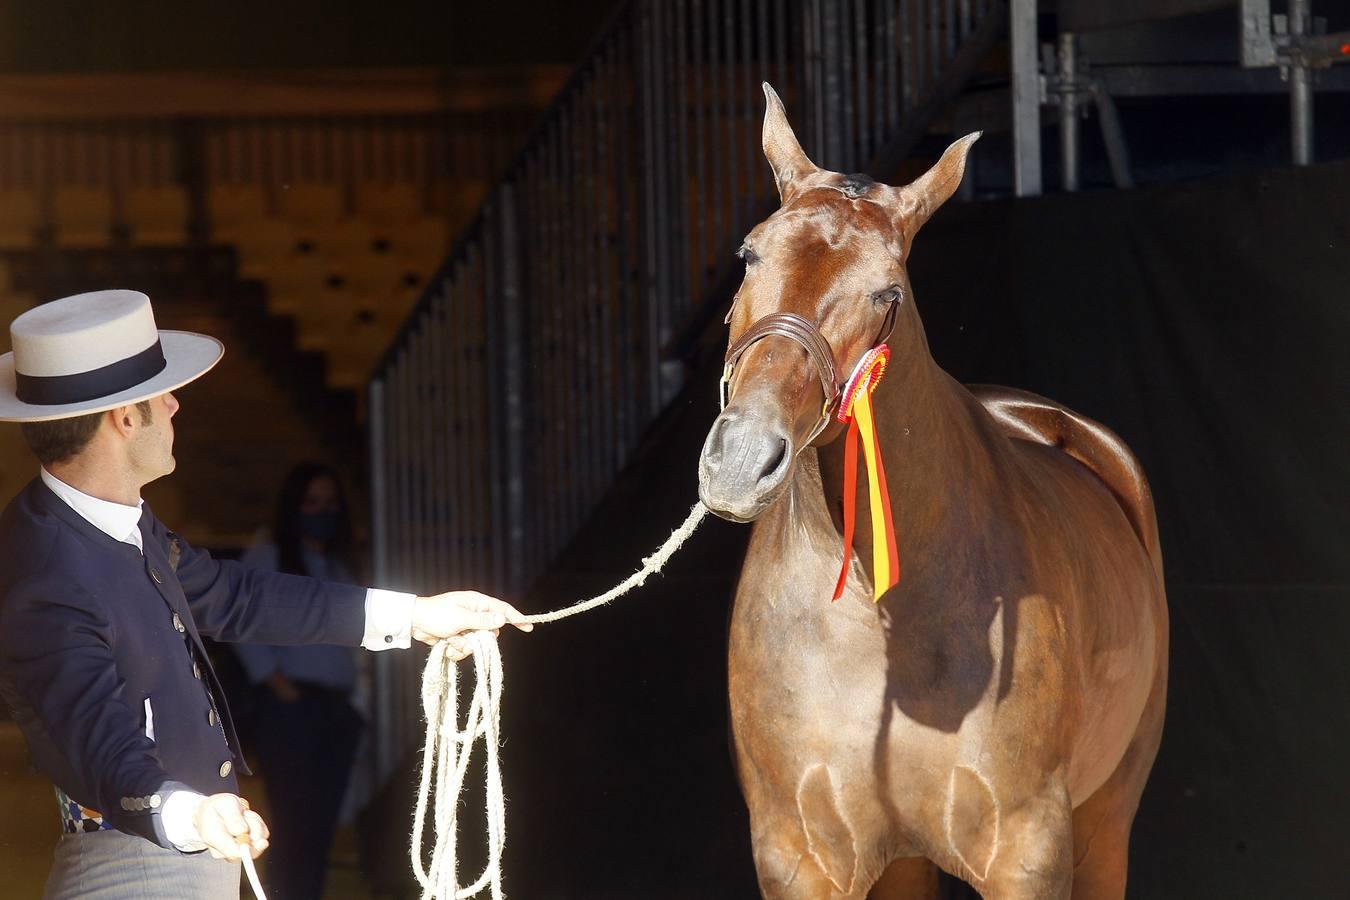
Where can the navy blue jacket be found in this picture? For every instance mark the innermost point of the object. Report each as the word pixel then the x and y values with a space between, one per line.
pixel 90 628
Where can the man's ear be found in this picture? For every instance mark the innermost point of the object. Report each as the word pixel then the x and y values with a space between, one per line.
pixel 124 419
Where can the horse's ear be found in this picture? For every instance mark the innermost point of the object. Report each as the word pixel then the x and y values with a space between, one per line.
pixel 919 199
pixel 785 155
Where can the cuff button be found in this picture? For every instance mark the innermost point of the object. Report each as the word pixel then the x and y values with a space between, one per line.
pixel 388 638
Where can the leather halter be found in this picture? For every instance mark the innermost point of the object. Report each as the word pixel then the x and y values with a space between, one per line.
pixel 804 333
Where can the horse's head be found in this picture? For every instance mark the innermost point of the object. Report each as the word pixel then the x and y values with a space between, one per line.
pixel 825 281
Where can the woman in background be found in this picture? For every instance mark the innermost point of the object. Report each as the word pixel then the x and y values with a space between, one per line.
pixel 306 729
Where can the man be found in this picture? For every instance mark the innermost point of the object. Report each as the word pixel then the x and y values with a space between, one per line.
pixel 102 611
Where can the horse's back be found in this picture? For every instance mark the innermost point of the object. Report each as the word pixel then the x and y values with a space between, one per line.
pixel 1030 417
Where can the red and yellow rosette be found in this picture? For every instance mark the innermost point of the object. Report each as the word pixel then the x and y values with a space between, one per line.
pixel 855 408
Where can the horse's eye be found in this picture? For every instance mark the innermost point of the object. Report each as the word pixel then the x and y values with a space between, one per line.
pixel 745 253
pixel 891 294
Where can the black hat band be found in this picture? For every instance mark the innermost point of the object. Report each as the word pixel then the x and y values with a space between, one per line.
pixel 114 378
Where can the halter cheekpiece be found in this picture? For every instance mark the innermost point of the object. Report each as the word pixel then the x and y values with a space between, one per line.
pixel 805 334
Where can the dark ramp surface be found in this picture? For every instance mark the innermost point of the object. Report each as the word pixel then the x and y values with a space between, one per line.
pixel 1207 324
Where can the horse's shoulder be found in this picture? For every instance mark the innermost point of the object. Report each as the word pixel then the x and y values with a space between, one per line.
pixel 1025 416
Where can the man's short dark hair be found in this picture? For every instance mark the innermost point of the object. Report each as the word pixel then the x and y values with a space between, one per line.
pixel 62 439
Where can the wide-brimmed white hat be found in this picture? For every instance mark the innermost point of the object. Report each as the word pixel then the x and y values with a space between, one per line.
pixel 94 352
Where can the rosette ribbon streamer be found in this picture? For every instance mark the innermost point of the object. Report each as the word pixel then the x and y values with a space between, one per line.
pixel 855 408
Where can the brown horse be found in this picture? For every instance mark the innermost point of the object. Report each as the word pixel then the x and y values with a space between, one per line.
pixel 996 714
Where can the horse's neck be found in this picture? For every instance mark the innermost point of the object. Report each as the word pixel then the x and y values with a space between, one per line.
pixel 938 448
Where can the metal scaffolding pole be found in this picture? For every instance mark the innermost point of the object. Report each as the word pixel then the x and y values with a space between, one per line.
pixel 1026 99
pixel 1068 111
pixel 1300 88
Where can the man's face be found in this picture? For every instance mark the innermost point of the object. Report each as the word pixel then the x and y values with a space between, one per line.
pixel 152 447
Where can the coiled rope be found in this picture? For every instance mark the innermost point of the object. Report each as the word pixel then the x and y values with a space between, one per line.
pixel 449 746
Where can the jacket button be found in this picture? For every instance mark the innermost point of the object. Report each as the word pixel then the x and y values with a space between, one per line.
pixel 154 801
pixel 226 768
pixel 154 573
pixel 178 624
pixel 126 803
pixel 211 717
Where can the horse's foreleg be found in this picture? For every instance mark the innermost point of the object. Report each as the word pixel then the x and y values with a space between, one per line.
pixel 788 870
pixel 1032 855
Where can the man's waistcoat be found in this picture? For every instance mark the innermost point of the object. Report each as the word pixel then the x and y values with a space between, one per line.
pixel 100 648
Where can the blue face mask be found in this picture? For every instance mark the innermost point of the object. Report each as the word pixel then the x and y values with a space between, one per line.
pixel 321 527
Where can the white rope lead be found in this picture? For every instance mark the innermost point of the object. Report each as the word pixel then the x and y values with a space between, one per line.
pixel 252 871
pixel 448 748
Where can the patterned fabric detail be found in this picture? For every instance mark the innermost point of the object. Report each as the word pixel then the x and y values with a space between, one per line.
pixel 77 819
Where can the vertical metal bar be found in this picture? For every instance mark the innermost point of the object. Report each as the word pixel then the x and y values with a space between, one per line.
pixel 382 701
pixel 443 470
pixel 628 192
pixel 841 74
pixel 1068 111
pixel 401 404
pixel 902 29
pixel 813 69
pixel 1300 89
pixel 604 173
pixel 1113 136
pixel 550 316
pixel 456 409
pixel 680 207
pixel 731 145
pixel 597 350
pixel 950 27
pixel 718 194
pixel 482 449
pixel 830 85
pixel 513 357
pixel 422 437
pixel 664 197
pixel 698 222
pixel 780 37
pixel 762 74
pixel 866 144
pixel 651 268
pixel 567 366
pixel 1026 99
pixel 543 309
pixel 584 413
pixel 748 144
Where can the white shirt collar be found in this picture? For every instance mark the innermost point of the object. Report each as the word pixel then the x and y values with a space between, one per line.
pixel 117 520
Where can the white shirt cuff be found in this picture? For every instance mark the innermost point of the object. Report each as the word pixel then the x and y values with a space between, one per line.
pixel 176 817
pixel 388 620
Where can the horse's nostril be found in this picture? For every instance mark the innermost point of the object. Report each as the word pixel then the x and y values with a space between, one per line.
pixel 712 453
pixel 776 462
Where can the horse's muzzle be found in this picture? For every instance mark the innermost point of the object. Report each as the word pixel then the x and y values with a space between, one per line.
pixel 744 466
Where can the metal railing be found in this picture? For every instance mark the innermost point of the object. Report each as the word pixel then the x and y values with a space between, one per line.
pixel 538 355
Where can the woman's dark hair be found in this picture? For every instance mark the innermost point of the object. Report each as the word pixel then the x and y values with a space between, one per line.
pixel 286 526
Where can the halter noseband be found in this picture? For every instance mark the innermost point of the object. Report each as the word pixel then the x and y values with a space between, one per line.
pixel 804 333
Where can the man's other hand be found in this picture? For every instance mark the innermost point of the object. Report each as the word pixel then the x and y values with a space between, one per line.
pixel 451 615
pixel 228 827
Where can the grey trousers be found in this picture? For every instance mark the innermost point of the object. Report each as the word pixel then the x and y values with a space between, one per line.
pixel 110 865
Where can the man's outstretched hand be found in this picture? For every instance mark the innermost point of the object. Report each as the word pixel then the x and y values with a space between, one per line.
pixel 451 616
